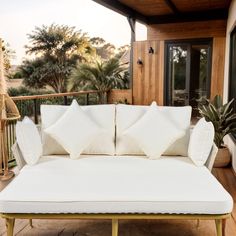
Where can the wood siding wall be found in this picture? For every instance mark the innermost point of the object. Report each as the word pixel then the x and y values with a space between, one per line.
pixel 148 79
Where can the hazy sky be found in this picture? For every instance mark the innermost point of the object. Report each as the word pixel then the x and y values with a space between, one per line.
pixel 19 17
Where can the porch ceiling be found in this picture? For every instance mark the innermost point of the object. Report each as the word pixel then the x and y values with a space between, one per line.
pixel 169 11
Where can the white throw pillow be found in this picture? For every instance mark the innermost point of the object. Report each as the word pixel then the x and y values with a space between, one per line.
pixel 20 162
pixel 201 142
pixel 154 132
pixel 103 115
pixel 128 115
pixel 29 141
pixel 74 130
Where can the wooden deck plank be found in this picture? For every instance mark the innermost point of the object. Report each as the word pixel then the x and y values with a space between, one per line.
pixel 130 227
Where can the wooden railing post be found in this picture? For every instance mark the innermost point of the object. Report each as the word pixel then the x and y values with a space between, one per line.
pixel 35 112
pixel 87 99
pixel 106 97
pixel 65 100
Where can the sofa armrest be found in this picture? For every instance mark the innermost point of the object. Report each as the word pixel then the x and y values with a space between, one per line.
pixel 211 159
pixel 18 156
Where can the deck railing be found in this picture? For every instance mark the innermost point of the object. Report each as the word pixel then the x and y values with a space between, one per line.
pixel 30 106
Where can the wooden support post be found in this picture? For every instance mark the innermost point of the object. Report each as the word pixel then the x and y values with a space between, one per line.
pixel 10 226
pixel 132 23
pixel 114 227
pixel 218 223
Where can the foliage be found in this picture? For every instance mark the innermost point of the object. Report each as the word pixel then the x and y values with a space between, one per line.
pixel 101 76
pixel 59 48
pixel 23 91
pixel 222 117
pixel 179 56
pixel 103 49
pixel 125 80
pixel 106 51
pixel 17 75
pixel 59 41
pixel 14 75
pixel 121 50
pixel 8 55
pixel 46 71
pixel 125 101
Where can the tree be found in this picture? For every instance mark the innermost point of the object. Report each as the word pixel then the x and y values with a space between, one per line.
pixel 103 49
pixel 121 50
pixel 46 71
pixel 8 55
pixel 101 76
pixel 58 49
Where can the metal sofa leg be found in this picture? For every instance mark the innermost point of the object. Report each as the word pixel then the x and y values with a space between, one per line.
pixel 31 223
pixel 114 227
pixel 10 222
pixel 223 227
pixel 198 223
pixel 219 228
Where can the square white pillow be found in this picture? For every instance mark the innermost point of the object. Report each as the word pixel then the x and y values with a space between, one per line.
pixel 102 115
pixel 75 130
pixel 201 142
pixel 154 132
pixel 29 141
pixel 128 115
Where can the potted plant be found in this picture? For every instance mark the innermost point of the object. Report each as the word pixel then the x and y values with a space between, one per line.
pixel 223 118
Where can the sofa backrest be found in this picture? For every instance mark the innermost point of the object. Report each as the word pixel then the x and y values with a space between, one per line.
pixel 127 115
pixel 103 115
pixel 115 119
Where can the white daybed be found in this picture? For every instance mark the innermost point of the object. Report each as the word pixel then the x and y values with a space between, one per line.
pixel 118 187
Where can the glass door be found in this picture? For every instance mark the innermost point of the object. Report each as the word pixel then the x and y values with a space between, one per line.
pixel 187 73
pixel 178 91
pixel 232 71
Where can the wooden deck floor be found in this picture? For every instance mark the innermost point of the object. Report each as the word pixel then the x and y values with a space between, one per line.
pixel 131 228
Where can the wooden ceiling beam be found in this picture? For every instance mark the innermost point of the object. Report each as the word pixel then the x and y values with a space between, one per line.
pixel 172 6
pixel 177 15
pixel 123 10
pixel 189 16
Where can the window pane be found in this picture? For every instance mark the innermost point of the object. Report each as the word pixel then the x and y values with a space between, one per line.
pixel 199 75
pixel 177 74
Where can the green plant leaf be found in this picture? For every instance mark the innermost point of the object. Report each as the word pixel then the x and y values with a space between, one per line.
pixel 217 101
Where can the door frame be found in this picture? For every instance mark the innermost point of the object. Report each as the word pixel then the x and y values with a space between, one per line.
pixel 188 43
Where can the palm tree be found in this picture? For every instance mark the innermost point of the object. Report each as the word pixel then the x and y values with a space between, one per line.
pixel 58 50
pixel 101 76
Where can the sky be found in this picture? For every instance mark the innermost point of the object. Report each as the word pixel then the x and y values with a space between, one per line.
pixel 19 18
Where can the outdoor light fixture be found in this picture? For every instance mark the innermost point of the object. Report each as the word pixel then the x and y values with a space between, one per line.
pixel 151 50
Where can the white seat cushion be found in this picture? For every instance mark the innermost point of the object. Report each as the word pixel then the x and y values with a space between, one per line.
pixel 154 132
pixel 127 115
pixel 100 184
pixel 103 115
pixel 74 130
